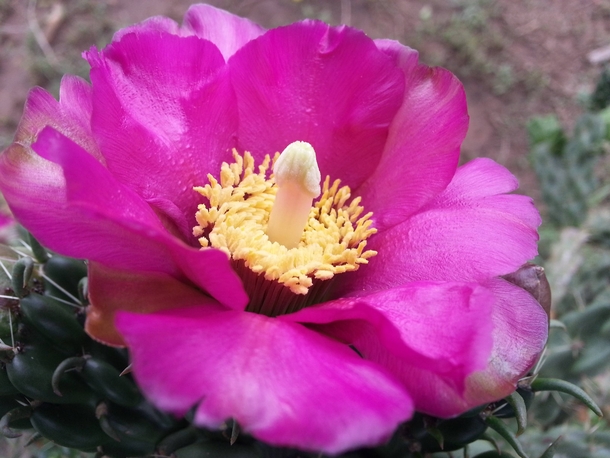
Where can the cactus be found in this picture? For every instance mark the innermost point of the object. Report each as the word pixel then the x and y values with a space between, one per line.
pixel 71 390
pixel 58 381
pixel 68 389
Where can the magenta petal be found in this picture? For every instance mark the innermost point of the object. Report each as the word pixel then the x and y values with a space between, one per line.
pixel 139 240
pixel 6 220
pixel 112 290
pixel 284 384
pixel 423 147
pixel 328 86
pixel 520 334
pixel 75 100
pixel 30 182
pixel 443 328
pixel 211 271
pixel 490 370
pixel 225 30
pixel 155 24
pixel 71 115
pixel 407 59
pixel 164 115
pixel 98 189
pixel 470 232
pixel 97 218
pixel 173 219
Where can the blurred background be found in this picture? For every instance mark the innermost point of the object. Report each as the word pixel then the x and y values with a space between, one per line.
pixel 517 59
pixel 538 99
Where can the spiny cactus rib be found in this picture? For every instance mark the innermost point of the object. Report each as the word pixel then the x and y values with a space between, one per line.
pixel 54 321
pixel 550 451
pixel 492 441
pixel 454 433
pixel 83 290
pixel 106 380
pixel 500 427
pixel 6 387
pixel 101 412
pixel 61 276
pixel 438 435
pixel 22 273
pixel 493 454
pixel 557 324
pixel 18 413
pixel 74 362
pixel 548 384
pixel 518 404
pixel 31 372
pixel 72 425
pixel 234 432
pixel 178 440
pixel 38 251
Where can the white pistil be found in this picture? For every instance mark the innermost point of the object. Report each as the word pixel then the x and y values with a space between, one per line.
pixel 297 177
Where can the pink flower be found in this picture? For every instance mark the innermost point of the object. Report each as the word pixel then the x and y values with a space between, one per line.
pixel 107 174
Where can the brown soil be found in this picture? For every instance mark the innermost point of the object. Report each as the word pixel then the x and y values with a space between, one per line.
pixel 517 59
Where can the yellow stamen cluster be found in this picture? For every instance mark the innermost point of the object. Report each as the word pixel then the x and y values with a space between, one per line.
pixel 235 220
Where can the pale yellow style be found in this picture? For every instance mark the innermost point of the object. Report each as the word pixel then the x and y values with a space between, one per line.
pixel 297 179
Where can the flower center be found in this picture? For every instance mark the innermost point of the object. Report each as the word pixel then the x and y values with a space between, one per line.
pixel 285 249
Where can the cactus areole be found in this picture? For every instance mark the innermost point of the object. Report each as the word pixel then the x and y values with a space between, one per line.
pixel 319 296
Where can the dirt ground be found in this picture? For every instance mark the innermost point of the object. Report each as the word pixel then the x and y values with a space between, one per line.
pixel 517 58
